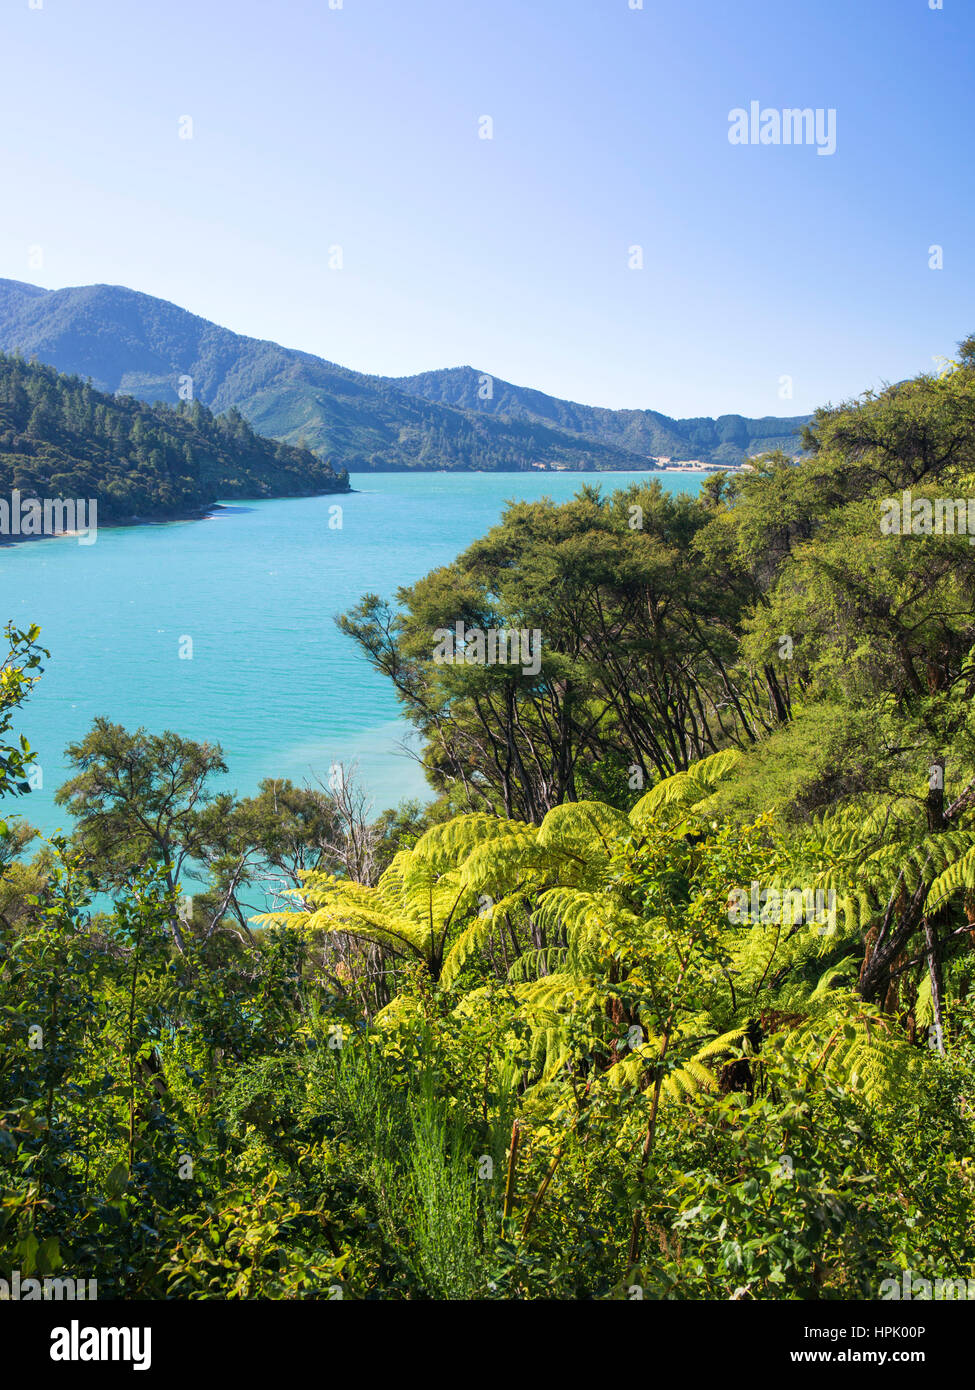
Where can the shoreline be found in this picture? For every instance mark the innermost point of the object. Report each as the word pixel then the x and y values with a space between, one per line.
pixel 194 514
pixel 8 541
pixel 536 472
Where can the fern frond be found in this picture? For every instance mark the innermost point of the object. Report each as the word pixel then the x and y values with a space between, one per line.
pixel 685 789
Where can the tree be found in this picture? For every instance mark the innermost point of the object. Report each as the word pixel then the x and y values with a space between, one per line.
pixel 639 663
pixel 138 797
pixel 269 842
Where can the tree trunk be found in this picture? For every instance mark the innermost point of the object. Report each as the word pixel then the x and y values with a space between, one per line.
pixel 937 985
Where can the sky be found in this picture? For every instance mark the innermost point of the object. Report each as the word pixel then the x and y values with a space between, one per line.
pixel 774 279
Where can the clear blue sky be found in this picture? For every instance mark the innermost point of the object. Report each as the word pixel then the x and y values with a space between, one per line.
pixel 358 127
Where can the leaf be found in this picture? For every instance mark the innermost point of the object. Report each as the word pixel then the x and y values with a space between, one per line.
pixel 116 1182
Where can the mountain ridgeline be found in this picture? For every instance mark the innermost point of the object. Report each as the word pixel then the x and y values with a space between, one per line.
pixel 727 440
pixel 59 437
pixel 132 343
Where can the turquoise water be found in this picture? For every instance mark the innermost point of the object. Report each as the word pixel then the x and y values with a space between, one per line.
pixel 256 588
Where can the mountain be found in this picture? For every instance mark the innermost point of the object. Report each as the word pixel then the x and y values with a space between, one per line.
pixel 130 342
pixel 726 440
pixel 133 343
pixel 60 438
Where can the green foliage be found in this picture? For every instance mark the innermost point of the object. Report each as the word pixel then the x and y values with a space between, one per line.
pixel 59 437
pixel 640 671
pixel 20 670
pixel 702 1033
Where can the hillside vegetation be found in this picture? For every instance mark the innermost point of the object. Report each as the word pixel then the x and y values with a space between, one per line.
pixel 727 440
pixel 60 438
pixel 134 343
pixel 668 993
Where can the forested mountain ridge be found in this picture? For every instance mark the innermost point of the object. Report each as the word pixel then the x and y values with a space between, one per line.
pixel 727 439
pixel 59 437
pixel 134 343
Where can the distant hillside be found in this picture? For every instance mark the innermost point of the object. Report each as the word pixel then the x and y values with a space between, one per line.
pixel 134 343
pixel 131 342
pixel 59 437
pixel 727 440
